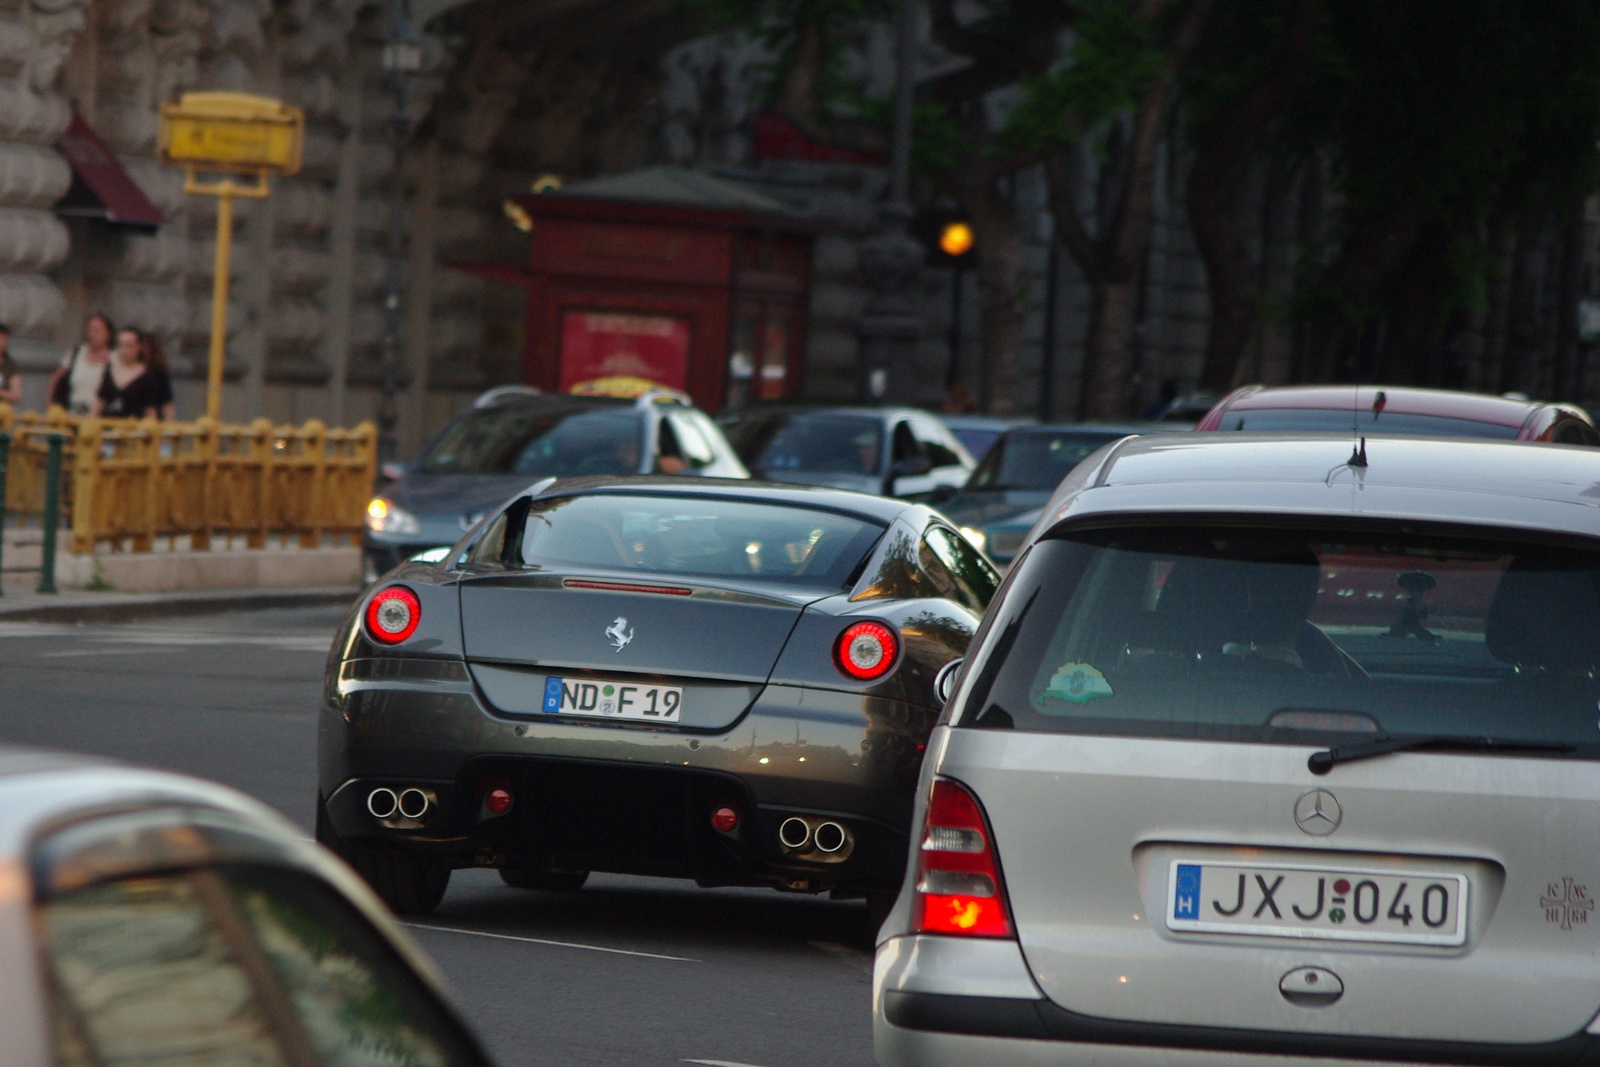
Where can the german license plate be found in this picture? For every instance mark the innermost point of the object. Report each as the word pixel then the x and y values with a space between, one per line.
pixel 612 700
pixel 1332 903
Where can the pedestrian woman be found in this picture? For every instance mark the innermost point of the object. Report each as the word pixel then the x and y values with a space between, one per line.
pixel 75 383
pixel 135 385
pixel 10 380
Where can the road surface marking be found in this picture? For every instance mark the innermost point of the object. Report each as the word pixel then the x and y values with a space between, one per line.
pixel 719 1063
pixel 558 944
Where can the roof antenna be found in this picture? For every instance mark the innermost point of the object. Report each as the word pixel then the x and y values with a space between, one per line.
pixel 1358 455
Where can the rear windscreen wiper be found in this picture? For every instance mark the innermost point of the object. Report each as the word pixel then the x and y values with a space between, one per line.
pixel 1324 761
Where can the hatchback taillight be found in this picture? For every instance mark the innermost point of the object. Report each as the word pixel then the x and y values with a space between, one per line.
pixel 866 651
pixel 958 888
pixel 393 614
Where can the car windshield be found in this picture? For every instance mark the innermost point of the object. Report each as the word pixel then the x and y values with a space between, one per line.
pixel 698 537
pixel 817 442
pixel 977 442
pixel 1036 461
pixel 1398 422
pixel 1297 636
pixel 538 441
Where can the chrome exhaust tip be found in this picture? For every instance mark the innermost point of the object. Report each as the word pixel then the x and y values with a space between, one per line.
pixel 830 837
pixel 382 802
pixel 794 833
pixel 413 803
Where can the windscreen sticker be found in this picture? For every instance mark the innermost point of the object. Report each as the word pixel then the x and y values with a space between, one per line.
pixel 1078 682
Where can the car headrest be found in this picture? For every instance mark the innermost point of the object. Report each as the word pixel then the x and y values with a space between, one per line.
pixel 1255 599
pixel 1546 615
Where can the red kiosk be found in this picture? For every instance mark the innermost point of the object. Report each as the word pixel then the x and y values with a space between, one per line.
pixel 666 274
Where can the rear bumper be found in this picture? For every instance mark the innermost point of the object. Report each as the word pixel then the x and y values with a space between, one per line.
pixel 917 1019
pixel 600 796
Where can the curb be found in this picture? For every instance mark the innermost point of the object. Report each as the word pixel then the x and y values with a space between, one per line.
pixel 175 605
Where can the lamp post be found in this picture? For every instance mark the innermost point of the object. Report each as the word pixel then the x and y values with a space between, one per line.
pixel 891 259
pixel 401 59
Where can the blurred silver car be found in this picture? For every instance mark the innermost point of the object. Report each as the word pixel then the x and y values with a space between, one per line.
pixel 1276 748
pixel 147 918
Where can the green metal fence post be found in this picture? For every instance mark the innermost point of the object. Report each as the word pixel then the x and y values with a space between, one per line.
pixel 5 459
pixel 52 514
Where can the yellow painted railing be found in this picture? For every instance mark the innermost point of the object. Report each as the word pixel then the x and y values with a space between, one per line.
pixel 128 482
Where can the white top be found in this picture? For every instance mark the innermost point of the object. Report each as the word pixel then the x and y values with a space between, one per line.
pixel 84 382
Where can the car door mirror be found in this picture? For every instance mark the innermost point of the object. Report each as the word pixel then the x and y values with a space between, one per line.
pixel 944 683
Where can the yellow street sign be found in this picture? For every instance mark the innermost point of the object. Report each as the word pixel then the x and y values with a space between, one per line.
pixel 233 132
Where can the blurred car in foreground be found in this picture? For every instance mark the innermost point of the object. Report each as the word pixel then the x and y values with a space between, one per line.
pixel 516 437
pixel 154 919
pixel 897 452
pixel 1020 472
pixel 1265 755
pixel 1399 410
pixel 731 682
pixel 978 433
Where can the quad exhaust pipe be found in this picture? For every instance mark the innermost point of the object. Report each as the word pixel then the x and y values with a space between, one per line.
pixel 794 833
pixel 409 803
pixel 829 838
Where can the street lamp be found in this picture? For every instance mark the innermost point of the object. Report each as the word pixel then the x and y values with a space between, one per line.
pixel 400 59
pixel 891 259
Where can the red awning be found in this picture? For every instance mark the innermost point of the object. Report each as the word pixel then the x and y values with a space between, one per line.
pixel 101 189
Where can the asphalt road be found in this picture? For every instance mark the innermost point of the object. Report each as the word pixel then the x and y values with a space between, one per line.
pixel 629 971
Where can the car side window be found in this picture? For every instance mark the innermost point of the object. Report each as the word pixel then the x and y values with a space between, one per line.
pixel 935 443
pixel 1573 432
pixel 245 964
pixel 957 568
pixel 692 443
pixel 905 444
pixel 487 550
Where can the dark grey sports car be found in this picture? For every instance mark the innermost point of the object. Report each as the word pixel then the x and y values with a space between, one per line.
pixel 729 682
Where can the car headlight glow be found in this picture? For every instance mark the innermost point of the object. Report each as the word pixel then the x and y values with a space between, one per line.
pixel 384 517
pixel 979 541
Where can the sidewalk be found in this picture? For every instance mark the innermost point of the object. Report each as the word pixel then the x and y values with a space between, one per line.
pixel 21 604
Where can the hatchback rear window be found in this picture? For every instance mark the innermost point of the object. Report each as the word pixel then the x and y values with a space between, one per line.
pixel 1340 420
pixel 698 537
pixel 538 442
pixel 1289 635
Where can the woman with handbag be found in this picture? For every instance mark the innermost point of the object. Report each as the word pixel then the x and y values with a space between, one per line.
pixel 76 383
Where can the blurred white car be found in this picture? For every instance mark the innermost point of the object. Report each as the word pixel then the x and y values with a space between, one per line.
pixel 147 918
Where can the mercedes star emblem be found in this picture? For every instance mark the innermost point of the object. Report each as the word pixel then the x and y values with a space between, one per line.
pixel 1318 813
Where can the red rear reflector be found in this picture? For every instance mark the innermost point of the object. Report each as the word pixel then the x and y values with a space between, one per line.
pixel 628 587
pixel 958 888
pixel 498 801
pixel 866 651
pixel 393 614
pixel 725 820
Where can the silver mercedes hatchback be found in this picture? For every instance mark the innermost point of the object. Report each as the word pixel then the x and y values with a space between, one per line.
pixel 1271 750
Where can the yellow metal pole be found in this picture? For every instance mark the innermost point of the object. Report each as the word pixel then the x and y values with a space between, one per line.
pixel 219 299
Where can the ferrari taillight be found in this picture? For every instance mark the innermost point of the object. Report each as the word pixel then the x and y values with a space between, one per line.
pixel 393 614
pixel 866 651
pixel 958 888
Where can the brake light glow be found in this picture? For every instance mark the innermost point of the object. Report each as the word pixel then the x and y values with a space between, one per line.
pixel 866 651
pixel 958 889
pixel 393 614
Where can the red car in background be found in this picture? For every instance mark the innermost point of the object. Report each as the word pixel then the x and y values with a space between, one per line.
pixel 1400 410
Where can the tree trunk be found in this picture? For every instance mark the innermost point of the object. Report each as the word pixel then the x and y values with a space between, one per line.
pixel 997 243
pixel 1108 351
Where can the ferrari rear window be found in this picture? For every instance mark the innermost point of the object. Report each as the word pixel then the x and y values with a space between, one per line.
pixel 697 537
pixel 1290 634
pixel 1334 420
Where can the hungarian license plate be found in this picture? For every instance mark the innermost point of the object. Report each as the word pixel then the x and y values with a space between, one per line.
pixel 612 700
pixel 1332 903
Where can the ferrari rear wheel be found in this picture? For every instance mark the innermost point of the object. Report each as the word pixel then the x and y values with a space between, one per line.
pixel 409 883
pixel 545 881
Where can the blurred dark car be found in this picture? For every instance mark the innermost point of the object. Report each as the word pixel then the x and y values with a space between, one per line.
pixel 1020 472
pixel 514 437
pixel 978 432
pixel 896 452
pixel 1400 410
